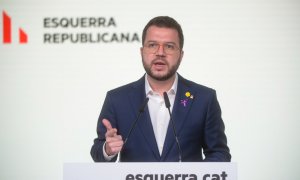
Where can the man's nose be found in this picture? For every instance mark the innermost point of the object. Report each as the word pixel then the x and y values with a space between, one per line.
pixel 160 50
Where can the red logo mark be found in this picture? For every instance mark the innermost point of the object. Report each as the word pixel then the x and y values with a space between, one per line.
pixel 7 31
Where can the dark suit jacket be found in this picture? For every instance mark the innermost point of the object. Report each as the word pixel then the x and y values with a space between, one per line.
pixel 198 124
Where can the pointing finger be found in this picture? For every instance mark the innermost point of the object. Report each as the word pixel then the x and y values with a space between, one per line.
pixel 107 124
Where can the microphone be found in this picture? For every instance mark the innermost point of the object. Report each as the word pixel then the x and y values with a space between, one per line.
pixel 168 105
pixel 141 110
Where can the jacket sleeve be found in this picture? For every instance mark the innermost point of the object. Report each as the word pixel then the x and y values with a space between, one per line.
pixel 215 142
pixel 107 112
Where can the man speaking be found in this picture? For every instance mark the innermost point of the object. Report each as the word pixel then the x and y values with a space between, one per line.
pixel 161 117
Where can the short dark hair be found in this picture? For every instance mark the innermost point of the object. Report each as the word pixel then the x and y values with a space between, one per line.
pixel 167 22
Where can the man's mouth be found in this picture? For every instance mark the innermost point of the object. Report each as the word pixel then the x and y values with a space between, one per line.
pixel 159 63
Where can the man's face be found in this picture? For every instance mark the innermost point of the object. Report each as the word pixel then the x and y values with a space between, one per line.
pixel 161 54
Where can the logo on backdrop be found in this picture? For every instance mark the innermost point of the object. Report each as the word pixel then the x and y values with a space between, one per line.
pixel 7 31
pixel 85 30
pixel 73 30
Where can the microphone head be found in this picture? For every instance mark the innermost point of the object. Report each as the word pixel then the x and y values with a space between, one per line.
pixel 167 101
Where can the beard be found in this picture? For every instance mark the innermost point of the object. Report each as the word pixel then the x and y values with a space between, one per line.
pixel 163 77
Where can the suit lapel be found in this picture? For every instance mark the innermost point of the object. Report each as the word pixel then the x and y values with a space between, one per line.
pixel 137 96
pixel 182 104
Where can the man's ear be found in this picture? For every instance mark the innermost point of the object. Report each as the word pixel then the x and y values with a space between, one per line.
pixel 181 55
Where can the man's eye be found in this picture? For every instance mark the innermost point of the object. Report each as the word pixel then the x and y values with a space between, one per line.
pixel 152 45
pixel 169 46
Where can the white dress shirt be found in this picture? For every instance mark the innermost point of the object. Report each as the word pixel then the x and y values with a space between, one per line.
pixel 159 114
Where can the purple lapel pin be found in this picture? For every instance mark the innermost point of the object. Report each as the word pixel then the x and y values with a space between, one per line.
pixel 184 102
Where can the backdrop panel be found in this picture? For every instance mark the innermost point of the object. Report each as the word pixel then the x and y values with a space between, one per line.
pixel 59 58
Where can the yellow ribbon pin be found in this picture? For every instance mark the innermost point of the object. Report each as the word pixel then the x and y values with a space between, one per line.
pixel 187 94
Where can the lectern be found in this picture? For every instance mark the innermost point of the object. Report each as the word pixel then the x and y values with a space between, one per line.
pixel 150 171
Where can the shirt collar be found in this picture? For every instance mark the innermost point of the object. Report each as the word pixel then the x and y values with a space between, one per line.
pixel 173 89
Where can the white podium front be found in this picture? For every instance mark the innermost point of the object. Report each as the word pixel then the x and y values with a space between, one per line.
pixel 150 171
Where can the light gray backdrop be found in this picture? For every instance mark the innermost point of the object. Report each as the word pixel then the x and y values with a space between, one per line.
pixel 51 94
